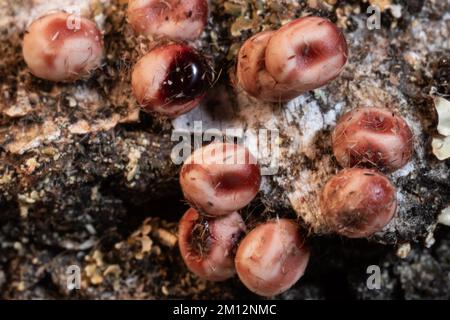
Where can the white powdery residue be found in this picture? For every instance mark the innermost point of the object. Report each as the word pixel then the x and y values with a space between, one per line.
pixel 331 116
pixel 416 128
pixel 400 197
pixel 303 184
pixel 82 93
pixel 260 114
pixel 403 220
pixel 42 7
pixel 309 119
pixel 405 203
pixel 390 227
pixel 406 170
pixel 290 141
pixel 288 116
pixel 418 145
pixel 311 123
pixel 294 108
pixel 266 186
pixel 272 123
pixel 304 197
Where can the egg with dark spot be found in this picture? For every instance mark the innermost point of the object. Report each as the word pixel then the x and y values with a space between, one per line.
pixel 171 79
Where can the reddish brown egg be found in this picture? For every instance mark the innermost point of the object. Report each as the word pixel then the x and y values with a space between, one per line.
pixel 174 19
pixel 308 52
pixel 272 257
pixel 303 55
pixel 357 203
pixel 62 47
pixel 171 80
pixel 372 137
pixel 220 178
pixel 207 245
pixel 252 75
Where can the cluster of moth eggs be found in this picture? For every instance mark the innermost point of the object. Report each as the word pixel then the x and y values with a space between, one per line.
pixel 273 66
pixel 217 181
pixel 357 202
pixel 169 80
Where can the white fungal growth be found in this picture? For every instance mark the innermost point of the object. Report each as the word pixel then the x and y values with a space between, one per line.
pixel 443 110
pixel 441 147
pixel 444 217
